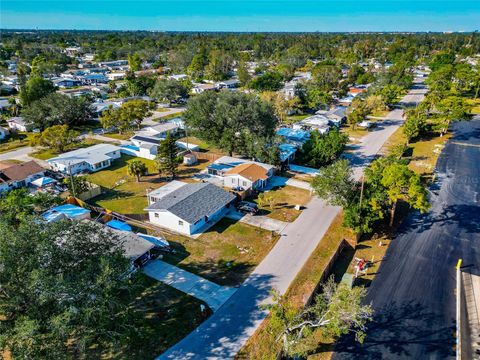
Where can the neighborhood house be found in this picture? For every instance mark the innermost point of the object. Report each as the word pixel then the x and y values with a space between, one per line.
pixel 19 175
pixel 92 158
pixel 18 123
pixel 188 208
pixel 246 176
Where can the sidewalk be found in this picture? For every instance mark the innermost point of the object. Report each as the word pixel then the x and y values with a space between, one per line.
pixel 212 294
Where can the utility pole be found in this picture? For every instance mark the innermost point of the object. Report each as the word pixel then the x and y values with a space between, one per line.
pixel 72 184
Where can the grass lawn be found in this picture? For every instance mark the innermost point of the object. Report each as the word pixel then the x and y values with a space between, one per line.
pixel 45 153
pixel 225 254
pixel 15 141
pixel 380 113
pixel 123 193
pixel 204 146
pixel 283 203
pixel 163 316
pixel 354 134
pixel 118 136
pixel 295 118
pixel 87 127
pixel 422 154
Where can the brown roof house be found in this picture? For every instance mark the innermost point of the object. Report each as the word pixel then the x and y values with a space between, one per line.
pixel 19 175
pixel 247 176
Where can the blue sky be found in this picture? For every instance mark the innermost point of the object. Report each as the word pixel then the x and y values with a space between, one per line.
pixel 246 15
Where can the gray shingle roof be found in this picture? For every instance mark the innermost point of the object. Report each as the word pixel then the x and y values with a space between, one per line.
pixel 193 202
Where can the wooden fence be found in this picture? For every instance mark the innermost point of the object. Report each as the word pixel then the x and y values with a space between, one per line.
pixel 206 156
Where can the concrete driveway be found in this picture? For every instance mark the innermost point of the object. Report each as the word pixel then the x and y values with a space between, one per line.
pixel 260 221
pixel 212 294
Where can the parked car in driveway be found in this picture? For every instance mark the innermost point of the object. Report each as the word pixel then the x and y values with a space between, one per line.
pixel 247 207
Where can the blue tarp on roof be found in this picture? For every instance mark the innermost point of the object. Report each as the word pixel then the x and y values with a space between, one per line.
pixel 155 240
pixel 294 134
pixel 118 225
pixel 219 167
pixel 70 211
pixel 286 151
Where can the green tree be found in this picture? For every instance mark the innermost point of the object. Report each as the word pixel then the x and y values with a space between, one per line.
pixel 167 162
pixel 169 90
pixel 126 117
pixel 134 62
pixel 58 137
pixel 336 311
pixel 321 149
pixel 77 184
pixel 64 297
pixel 401 183
pixel 270 81
pixel 233 121
pixel 18 204
pixel 414 126
pixel 390 93
pixel 34 89
pixel 243 74
pixel 452 108
pixel 137 168
pixel 58 109
pixel 219 65
pixel 335 183
pixel 196 68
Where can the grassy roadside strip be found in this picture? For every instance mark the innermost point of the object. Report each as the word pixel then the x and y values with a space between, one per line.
pixel 263 345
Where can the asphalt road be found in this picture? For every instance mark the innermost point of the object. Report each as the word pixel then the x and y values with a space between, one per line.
pixel 413 293
pixel 223 334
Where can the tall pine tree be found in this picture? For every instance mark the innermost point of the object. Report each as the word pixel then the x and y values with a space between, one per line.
pixel 167 157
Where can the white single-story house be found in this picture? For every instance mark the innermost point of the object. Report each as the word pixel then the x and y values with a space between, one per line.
pixel 17 123
pixel 93 158
pixel 188 208
pixel 66 83
pixel 3 132
pixel 145 142
pixel 200 88
pixel 228 84
pixel 246 176
pixel 19 175
pixel 336 115
pixel 315 122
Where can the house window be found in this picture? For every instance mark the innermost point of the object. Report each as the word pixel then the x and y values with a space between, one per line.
pixel 244 183
pixel 180 222
pixel 157 215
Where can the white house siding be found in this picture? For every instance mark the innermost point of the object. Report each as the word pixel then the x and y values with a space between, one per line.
pixel 233 181
pixel 170 221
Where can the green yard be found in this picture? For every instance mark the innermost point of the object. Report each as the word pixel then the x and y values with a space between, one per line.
pixel 163 316
pixel 15 141
pixel 281 202
pixel 123 193
pixel 225 254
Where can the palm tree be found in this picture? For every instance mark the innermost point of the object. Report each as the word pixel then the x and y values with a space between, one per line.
pixel 136 168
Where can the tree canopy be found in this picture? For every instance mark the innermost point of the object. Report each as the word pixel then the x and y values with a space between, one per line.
pixel 233 121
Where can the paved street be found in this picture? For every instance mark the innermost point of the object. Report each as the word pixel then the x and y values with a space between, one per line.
pixel 223 334
pixel 21 154
pixel 414 292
